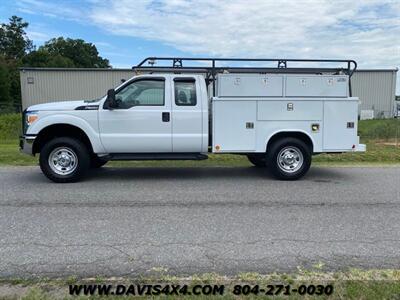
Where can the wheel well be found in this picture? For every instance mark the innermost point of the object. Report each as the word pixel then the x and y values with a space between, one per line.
pixel 299 135
pixel 60 130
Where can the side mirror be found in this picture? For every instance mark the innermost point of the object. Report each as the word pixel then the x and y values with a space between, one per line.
pixel 112 103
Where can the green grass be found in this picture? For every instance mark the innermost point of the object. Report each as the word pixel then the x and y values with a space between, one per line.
pixel 377 153
pixel 373 132
pixel 10 155
pixel 383 129
pixel 351 284
pixel 10 126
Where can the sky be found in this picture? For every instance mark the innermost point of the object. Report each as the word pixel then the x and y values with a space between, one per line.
pixel 126 31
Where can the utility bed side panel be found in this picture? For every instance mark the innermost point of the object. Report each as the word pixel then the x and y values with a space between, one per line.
pixel 289 110
pixel 234 125
pixel 255 85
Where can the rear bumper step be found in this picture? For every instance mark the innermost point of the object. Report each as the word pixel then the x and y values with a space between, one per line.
pixel 360 148
pixel 157 156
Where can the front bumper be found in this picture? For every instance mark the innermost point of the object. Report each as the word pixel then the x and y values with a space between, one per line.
pixel 26 143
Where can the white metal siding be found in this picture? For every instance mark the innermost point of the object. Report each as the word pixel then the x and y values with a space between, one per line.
pixel 376 90
pixel 61 85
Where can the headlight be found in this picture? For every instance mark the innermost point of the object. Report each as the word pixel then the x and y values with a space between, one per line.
pixel 30 118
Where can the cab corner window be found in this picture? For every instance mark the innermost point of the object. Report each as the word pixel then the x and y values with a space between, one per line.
pixel 185 92
pixel 142 92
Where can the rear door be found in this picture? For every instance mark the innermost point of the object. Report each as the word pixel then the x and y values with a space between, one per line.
pixel 186 115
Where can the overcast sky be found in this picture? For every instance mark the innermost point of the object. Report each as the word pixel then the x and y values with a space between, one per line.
pixel 126 31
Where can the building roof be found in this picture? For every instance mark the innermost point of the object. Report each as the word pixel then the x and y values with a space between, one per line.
pixel 131 70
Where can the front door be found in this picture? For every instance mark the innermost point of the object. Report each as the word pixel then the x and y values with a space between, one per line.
pixel 141 122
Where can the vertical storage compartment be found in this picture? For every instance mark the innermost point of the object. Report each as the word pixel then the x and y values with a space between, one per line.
pixel 234 125
pixel 339 116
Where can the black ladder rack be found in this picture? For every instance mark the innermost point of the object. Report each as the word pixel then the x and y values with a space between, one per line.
pixel 177 66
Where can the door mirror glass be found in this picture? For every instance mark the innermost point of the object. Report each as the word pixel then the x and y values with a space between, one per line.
pixel 112 103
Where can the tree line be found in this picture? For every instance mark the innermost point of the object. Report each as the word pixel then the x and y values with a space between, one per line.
pixel 17 50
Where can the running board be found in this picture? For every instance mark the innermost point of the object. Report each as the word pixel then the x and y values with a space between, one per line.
pixel 157 156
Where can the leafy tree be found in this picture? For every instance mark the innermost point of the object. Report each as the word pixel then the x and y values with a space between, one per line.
pixel 5 98
pixel 17 50
pixel 15 84
pixel 42 58
pixel 14 43
pixel 82 54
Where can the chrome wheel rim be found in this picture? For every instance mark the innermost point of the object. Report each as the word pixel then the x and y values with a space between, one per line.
pixel 63 161
pixel 290 159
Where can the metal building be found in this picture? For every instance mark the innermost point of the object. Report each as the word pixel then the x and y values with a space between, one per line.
pixel 375 88
pixel 42 85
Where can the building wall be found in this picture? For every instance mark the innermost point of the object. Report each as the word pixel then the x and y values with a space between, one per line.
pixel 42 86
pixel 375 88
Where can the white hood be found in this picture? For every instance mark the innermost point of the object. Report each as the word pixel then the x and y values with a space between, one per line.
pixel 63 105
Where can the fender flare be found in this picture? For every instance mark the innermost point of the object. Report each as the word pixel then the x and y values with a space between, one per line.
pixel 289 131
pixel 66 119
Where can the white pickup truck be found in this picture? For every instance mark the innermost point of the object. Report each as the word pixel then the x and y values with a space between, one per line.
pixel 277 117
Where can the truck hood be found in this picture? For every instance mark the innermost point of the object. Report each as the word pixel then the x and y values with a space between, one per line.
pixel 63 105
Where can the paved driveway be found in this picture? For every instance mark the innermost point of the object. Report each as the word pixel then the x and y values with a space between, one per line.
pixel 194 220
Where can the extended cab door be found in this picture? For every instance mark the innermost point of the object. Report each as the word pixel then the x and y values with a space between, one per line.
pixel 142 121
pixel 187 115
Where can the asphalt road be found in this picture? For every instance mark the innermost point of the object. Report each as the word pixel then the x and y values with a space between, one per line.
pixel 194 220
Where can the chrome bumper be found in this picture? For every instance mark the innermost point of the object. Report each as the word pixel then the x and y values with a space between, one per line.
pixel 26 143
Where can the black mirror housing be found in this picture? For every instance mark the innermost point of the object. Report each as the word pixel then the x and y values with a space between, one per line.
pixel 112 103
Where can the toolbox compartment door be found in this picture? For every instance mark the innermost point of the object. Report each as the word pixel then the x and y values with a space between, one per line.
pixel 338 133
pixel 317 86
pixel 250 85
pixel 287 110
pixel 234 126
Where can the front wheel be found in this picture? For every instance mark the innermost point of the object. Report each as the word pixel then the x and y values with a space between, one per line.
pixel 64 159
pixel 289 158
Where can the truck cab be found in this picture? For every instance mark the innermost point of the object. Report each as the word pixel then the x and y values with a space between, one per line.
pixel 156 114
pixel 274 117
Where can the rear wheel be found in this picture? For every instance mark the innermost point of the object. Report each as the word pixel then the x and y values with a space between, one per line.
pixel 289 158
pixel 257 160
pixel 64 159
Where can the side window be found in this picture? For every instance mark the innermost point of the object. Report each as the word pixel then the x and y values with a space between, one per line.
pixel 145 92
pixel 185 92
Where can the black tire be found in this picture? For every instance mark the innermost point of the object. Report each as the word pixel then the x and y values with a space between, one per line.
pixel 75 147
pixel 258 160
pixel 96 162
pixel 289 146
